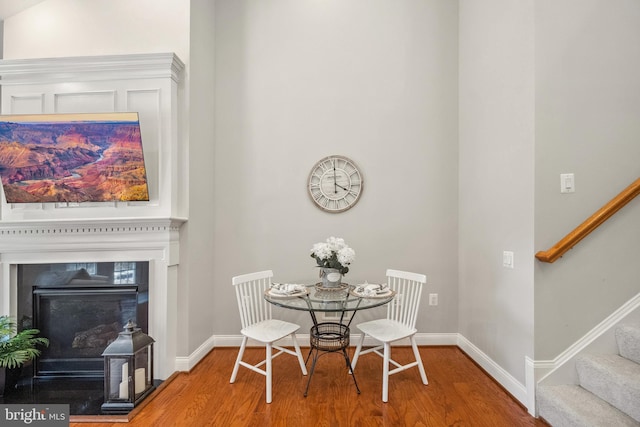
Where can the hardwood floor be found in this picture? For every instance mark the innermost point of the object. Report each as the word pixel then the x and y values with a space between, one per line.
pixel 459 394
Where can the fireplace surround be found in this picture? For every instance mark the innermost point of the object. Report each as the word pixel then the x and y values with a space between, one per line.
pixel 153 243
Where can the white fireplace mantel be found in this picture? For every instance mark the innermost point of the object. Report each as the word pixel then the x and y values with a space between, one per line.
pixel 123 240
pixel 64 234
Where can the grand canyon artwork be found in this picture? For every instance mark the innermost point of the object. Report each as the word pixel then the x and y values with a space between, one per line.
pixel 72 158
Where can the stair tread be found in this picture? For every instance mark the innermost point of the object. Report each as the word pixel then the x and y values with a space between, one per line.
pixel 616 366
pixel 612 378
pixel 571 405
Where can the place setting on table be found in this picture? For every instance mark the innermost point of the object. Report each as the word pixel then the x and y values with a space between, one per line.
pixel 287 290
pixel 372 290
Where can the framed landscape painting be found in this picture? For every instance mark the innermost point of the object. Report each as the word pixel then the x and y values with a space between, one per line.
pixel 72 158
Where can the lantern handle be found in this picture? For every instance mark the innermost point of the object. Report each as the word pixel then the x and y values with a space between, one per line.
pixel 130 326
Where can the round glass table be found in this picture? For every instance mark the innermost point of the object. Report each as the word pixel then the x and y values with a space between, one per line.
pixel 318 299
pixel 329 337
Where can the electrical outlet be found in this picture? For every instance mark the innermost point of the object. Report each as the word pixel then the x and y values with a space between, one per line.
pixel 433 299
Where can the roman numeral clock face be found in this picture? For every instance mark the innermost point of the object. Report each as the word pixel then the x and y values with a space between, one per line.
pixel 335 184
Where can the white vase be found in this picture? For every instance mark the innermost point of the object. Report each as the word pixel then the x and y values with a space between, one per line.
pixel 331 277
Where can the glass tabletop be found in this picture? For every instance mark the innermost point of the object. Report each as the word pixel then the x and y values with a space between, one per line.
pixel 328 300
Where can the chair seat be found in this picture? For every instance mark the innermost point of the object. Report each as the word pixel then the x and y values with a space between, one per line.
pixel 386 330
pixel 269 330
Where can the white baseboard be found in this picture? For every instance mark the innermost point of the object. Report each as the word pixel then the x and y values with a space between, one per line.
pixel 185 364
pixel 423 339
pixel 504 378
pixel 303 340
pixel 536 371
pixel 530 383
pixel 436 339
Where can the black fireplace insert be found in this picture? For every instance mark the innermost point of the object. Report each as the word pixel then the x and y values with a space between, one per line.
pixel 81 312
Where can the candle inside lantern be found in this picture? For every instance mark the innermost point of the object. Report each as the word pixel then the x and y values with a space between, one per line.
pixel 140 380
pixel 124 390
pixel 124 384
pixel 125 371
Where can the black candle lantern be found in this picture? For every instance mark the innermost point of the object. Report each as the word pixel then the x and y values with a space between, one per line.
pixel 128 370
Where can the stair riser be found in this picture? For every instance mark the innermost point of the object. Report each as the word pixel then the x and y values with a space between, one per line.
pixel 628 339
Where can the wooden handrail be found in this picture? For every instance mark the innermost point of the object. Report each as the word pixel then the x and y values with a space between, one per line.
pixel 593 222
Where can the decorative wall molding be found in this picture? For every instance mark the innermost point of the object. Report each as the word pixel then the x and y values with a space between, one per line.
pixel 89 68
pixel 38 229
pixel 146 84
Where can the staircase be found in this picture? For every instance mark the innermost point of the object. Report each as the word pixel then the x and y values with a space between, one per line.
pixel 608 393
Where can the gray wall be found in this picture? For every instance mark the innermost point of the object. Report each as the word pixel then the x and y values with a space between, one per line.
pixel 496 179
pixel 375 81
pixel 197 237
pixel 587 123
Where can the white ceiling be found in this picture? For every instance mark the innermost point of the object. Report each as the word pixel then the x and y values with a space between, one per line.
pixel 11 7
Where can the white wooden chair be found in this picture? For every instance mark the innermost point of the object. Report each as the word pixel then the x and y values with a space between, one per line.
pixel 399 324
pixel 258 325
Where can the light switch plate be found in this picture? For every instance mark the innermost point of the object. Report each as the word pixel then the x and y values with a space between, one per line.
pixel 567 183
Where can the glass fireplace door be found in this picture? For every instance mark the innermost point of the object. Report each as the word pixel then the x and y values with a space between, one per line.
pixel 80 323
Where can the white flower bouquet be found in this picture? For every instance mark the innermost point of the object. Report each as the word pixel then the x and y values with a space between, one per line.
pixel 334 253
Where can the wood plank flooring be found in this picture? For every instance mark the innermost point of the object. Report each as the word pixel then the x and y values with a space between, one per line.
pixel 459 394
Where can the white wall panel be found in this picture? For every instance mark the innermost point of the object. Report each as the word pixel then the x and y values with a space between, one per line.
pixel 26 103
pixel 146 84
pixel 146 102
pixel 85 102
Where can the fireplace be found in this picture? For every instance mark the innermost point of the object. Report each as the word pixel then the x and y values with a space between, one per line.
pixel 30 252
pixel 52 273
pixel 79 312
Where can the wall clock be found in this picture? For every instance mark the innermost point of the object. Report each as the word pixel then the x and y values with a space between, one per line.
pixel 335 184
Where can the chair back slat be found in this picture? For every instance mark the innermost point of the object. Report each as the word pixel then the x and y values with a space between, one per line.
pixel 250 290
pixel 408 288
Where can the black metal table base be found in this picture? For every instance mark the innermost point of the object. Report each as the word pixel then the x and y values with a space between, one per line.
pixel 329 337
